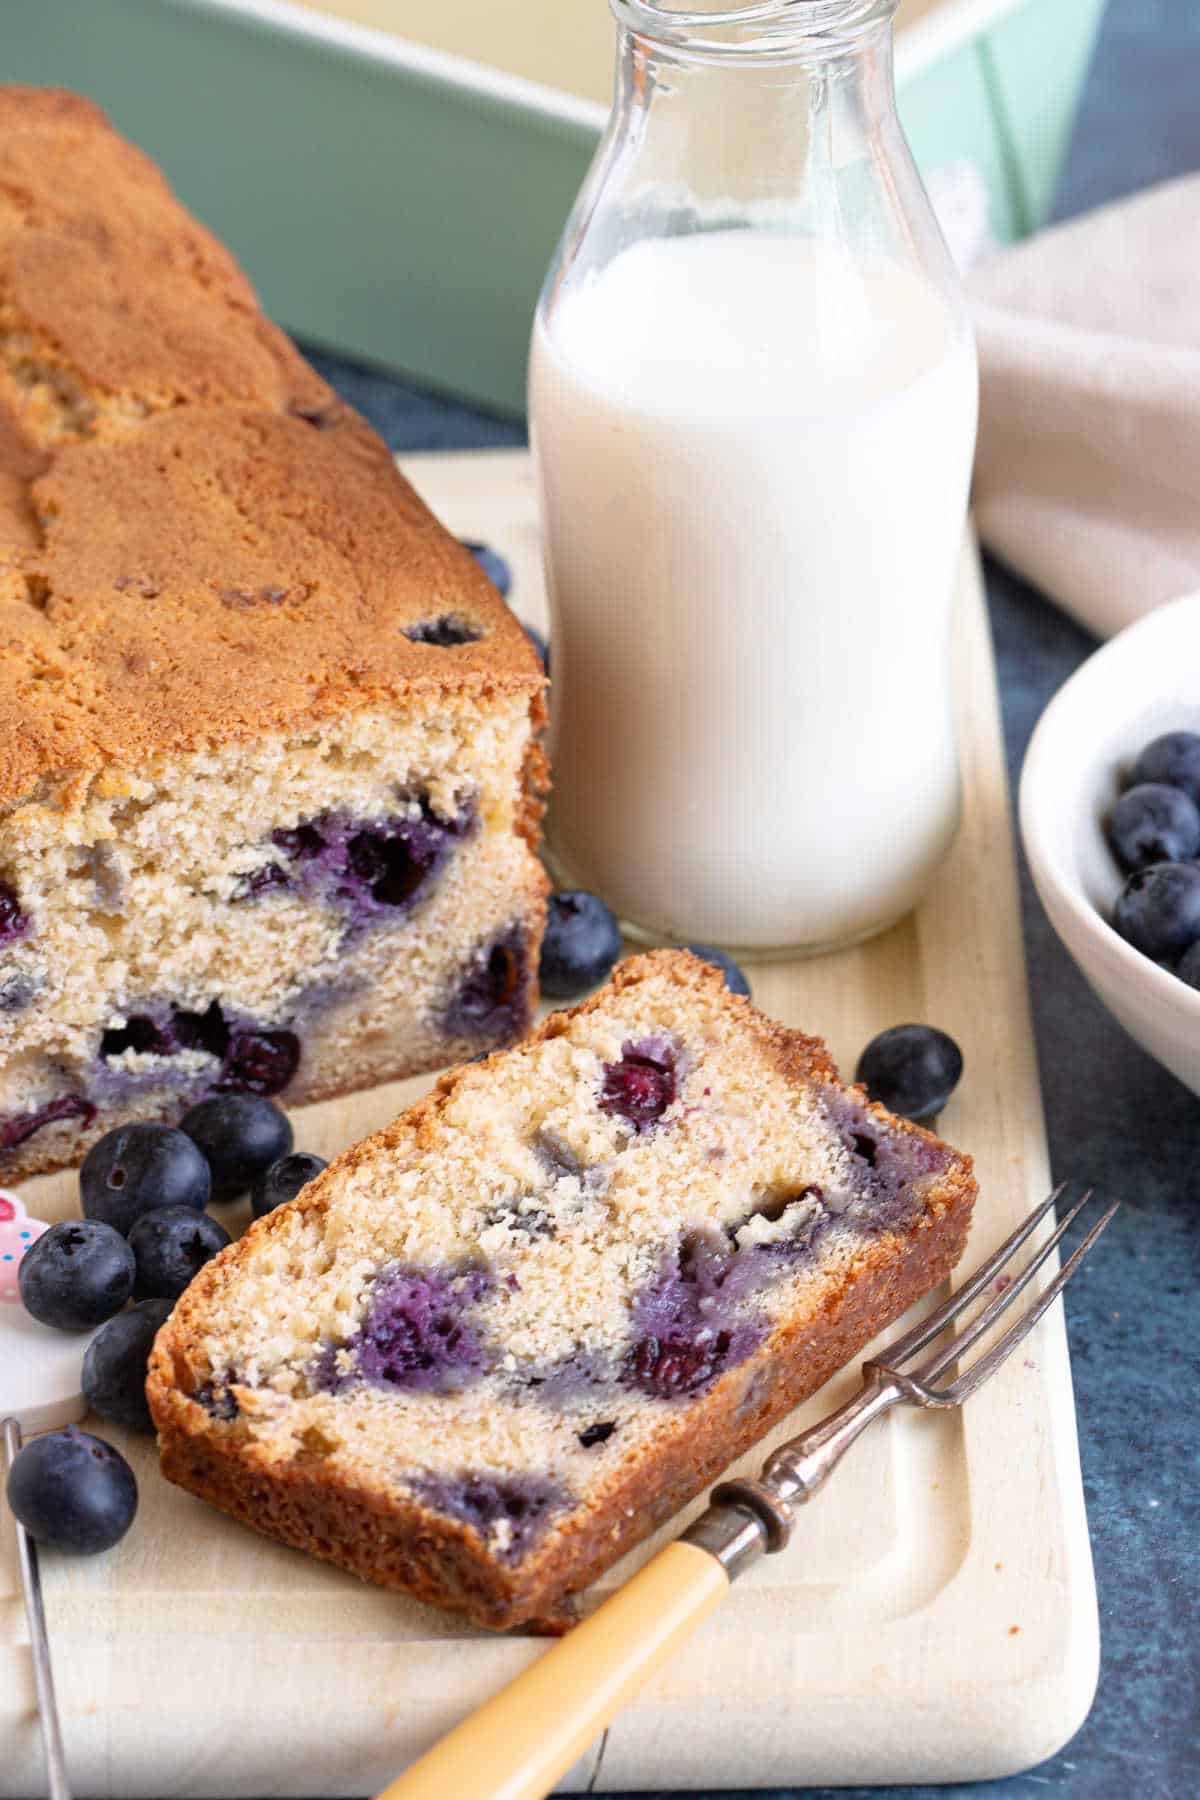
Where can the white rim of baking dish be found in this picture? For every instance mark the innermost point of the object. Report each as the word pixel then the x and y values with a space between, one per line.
pixel 1064 722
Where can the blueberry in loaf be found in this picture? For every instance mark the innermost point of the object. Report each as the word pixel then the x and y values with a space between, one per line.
pixel 269 775
pixel 492 1347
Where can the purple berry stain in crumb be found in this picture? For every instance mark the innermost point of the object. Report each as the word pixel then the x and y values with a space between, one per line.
pixel 254 1059
pixel 217 1396
pixel 641 1087
pixel 15 1130
pixel 371 870
pixel 510 1512
pixel 415 1336
pixel 14 923
pixel 886 1167
pixel 16 993
pixel 689 1324
pixel 492 998
pixel 521 1214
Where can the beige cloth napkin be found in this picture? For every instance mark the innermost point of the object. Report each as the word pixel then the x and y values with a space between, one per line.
pixel 1087 479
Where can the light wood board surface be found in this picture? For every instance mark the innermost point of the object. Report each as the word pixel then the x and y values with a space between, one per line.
pixel 935 1618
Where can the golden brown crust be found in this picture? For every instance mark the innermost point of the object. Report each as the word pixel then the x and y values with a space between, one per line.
pixel 389 1539
pixel 198 541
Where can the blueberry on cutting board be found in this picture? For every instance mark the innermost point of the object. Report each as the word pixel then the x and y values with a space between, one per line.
pixel 493 565
pixel 72 1492
pixel 240 1136
pixel 911 1069
pixel 76 1275
pixel 582 941
pixel 284 1180
pixel 114 1368
pixel 170 1247
pixel 735 975
pixel 137 1167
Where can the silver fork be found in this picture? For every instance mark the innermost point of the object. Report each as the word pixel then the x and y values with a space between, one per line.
pixel 519 1743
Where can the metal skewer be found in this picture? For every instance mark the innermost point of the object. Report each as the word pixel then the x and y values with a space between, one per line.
pixel 43 1673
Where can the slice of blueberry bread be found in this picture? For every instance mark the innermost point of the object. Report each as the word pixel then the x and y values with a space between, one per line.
pixel 495 1345
pixel 269 765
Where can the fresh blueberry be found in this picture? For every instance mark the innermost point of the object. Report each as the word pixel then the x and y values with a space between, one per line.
pixel 1154 823
pixel 912 1069
pixel 1158 910
pixel 539 643
pixel 1189 968
pixel 1173 759
pixel 14 922
pixel 135 1168
pixel 492 999
pixel 492 564
pixel 581 944
pixel 283 1181
pixel 240 1135
pixel 735 978
pixel 76 1275
pixel 170 1246
pixel 114 1365
pixel 72 1492
pixel 417 1335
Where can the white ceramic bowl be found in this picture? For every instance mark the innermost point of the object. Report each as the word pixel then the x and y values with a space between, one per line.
pixel 1144 682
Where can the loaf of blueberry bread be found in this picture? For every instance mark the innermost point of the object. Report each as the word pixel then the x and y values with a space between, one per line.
pixel 492 1347
pixel 269 776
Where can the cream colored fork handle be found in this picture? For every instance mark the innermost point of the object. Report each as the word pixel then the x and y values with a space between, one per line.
pixel 518 1745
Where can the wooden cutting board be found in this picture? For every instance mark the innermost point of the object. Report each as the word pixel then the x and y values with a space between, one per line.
pixel 935 1618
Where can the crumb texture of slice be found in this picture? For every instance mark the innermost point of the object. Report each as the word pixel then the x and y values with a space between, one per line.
pixel 534 1315
pixel 270 767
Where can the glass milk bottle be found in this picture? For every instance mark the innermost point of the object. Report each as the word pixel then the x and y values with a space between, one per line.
pixel 753 401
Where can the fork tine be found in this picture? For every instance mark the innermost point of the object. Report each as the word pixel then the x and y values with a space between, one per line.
pixel 983 1323
pixel 928 1329
pixel 1019 1330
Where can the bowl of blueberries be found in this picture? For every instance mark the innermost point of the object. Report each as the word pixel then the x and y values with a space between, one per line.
pixel 1110 818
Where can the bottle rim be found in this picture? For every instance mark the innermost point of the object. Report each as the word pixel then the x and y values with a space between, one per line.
pixel 755 28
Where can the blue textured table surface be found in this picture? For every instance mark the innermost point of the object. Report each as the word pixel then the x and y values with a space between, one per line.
pixel 1114 1117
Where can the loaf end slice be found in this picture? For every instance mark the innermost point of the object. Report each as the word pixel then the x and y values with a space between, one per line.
pixel 270 743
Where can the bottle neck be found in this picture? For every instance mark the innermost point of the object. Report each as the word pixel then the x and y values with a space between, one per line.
pixel 741 123
pixel 760 30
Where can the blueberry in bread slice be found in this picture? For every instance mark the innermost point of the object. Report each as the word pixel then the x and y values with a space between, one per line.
pixel 490 1348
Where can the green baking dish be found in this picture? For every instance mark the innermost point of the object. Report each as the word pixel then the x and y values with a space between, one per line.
pixel 401 205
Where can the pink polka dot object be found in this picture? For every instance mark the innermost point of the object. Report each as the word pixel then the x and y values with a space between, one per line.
pixel 17 1232
pixel 40 1369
